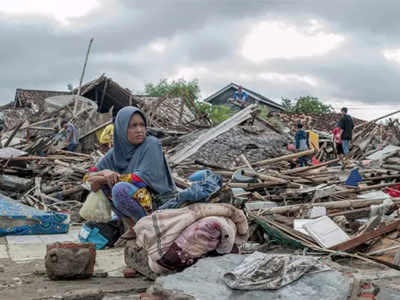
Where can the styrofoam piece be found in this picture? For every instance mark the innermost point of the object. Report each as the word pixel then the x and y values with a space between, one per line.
pixel 374 195
pixel 316 212
pixel 298 225
pixel 326 232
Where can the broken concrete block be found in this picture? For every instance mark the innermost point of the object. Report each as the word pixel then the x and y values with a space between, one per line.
pixel 202 284
pixel 298 225
pixel 70 260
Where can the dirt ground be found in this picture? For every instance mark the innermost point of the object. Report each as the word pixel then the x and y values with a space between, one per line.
pixel 29 281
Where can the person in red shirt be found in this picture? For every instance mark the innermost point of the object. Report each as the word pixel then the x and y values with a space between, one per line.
pixel 337 139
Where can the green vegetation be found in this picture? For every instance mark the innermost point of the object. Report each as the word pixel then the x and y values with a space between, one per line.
pixel 307 105
pixel 189 91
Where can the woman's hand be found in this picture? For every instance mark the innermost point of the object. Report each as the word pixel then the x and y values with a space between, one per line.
pixel 110 177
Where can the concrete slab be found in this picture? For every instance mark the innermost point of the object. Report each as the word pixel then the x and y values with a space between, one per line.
pixel 204 281
pixel 387 294
pixel 23 248
pixel 21 253
pixel 111 261
pixel 3 251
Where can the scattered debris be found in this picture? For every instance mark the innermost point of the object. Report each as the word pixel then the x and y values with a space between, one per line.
pixel 332 207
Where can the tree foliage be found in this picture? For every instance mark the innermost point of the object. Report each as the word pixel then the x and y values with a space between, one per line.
pixel 189 91
pixel 174 88
pixel 306 105
pixel 216 113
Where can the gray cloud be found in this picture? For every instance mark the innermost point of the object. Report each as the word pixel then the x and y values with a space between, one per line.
pixel 39 52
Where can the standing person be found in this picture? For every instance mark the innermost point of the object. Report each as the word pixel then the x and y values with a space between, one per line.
pixel 347 125
pixel 71 141
pixel 337 139
pixel 302 143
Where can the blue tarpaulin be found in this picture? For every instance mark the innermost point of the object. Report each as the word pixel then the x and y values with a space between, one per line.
pixel 20 219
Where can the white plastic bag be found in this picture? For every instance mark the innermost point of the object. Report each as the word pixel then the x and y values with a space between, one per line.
pixel 96 208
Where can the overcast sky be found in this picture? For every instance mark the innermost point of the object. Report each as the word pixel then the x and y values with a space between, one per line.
pixel 343 52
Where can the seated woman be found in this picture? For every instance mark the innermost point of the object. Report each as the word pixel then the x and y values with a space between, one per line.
pixel 133 169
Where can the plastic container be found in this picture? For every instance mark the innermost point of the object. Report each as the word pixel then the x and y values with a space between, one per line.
pixel 239 177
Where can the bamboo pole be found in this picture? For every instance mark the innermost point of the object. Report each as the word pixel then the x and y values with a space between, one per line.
pixel 363 189
pixel 391 167
pixel 284 157
pixel 303 169
pixel 265 177
pixel 377 119
pixel 82 75
pixel 358 203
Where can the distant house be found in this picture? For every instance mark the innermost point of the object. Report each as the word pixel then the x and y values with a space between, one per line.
pixel 26 97
pixel 224 95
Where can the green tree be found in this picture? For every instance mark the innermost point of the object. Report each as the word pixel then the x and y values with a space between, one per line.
pixel 287 104
pixel 216 113
pixel 307 105
pixel 189 91
pixel 174 88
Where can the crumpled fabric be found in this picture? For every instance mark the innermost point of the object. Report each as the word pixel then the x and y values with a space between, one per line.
pixel 260 271
pixel 203 236
pixel 157 232
pixel 200 191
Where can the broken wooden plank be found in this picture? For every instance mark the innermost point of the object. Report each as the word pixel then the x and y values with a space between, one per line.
pixel 14 132
pixel 377 119
pixel 214 166
pixel 357 241
pixel 304 169
pixel 95 129
pixel 264 177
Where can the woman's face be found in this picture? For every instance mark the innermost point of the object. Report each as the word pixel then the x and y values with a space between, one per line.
pixel 136 129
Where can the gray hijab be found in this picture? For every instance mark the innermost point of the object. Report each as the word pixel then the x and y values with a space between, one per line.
pixel 145 160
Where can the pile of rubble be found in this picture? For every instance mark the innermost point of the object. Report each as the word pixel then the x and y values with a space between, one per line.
pixel 331 207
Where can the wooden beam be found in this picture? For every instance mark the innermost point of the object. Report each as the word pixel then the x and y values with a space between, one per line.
pixel 265 177
pixel 377 119
pixel 357 241
pixel 13 134
pixel 356 203
pixel 95 129
pixel 304 169
pixel 283 158
pixel 103 94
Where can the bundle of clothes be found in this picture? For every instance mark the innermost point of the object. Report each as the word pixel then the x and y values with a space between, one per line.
pixel 174 239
